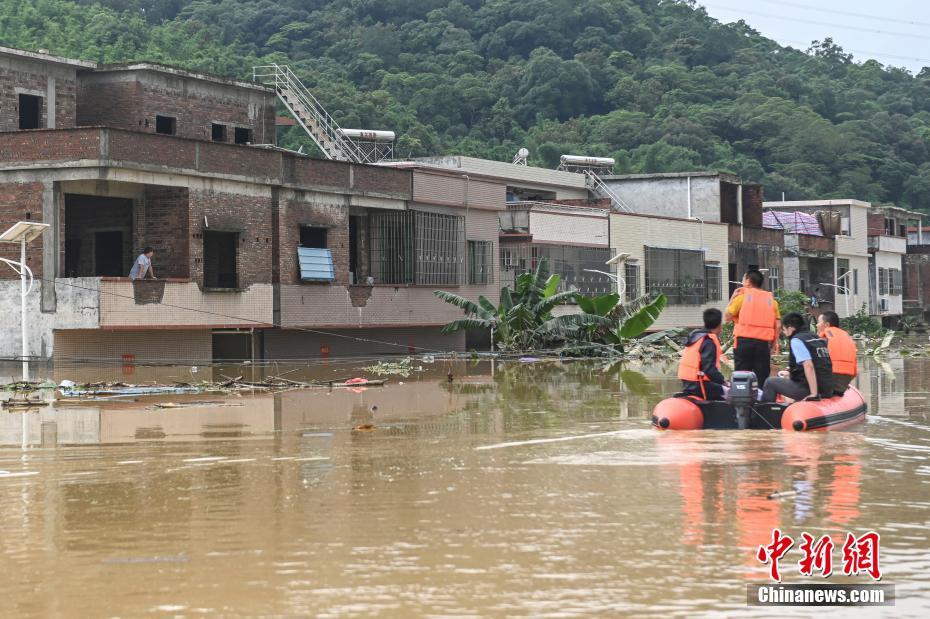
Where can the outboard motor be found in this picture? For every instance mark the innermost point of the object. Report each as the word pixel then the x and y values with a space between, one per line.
pixel 742 396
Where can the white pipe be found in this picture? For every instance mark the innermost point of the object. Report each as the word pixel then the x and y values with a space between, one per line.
pixel 739 210
pixel 689 197
pixel 23 293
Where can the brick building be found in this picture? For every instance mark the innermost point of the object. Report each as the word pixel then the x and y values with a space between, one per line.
pixel 260 252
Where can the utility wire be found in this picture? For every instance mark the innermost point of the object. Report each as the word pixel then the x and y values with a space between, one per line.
pixel 259 323
pixel 807 7
pixel 741 10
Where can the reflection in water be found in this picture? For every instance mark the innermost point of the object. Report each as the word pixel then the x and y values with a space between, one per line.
pixel 276 506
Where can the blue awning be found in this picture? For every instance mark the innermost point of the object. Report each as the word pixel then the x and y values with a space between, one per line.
pixel 316 265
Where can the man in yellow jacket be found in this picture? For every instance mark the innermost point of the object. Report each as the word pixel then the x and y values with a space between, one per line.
pixel 755 315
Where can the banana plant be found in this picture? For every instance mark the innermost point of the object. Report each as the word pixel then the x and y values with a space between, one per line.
pixel 518 319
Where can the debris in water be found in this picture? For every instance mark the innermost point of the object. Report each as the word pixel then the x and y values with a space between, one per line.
pixel 365 427
pixel 782 495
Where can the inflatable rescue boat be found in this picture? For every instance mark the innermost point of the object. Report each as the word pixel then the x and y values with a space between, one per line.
pixel 690 413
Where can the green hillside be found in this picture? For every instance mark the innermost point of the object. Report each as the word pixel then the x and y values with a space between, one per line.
pixel 660 86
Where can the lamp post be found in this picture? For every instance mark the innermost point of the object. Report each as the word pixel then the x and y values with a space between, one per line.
pixel 22 232
pixel 618 279
pixel 844 290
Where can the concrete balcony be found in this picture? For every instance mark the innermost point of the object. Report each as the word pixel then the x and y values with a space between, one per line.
pixel 891 244
pixel 337 306
pixel 180 303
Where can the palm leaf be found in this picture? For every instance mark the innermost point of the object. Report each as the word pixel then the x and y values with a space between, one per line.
pixel 643 319
pixel 601 305
pixel 468 306
pixel 467 323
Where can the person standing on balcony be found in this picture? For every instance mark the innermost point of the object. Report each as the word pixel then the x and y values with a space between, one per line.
pixel 142 267
pixel 755 315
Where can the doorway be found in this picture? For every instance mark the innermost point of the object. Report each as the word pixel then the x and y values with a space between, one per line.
pixel 232 346
pixel 108 254
pixel 30 108
pixel 219 259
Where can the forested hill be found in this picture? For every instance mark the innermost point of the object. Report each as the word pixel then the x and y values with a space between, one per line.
pixel 658 85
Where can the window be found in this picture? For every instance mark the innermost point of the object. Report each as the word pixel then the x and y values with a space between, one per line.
pixel 218 132
pixel 902 231
pixel 243 135
pixel 896 285
pixel 166 125
pixel 219 259
pixel 316 264
pixel 313 236
pixel 855 281
pixel 416 247
pixel 30 109
pixel 774 279
pixel 712 282
pixel 889 227
pixel 439 247
pixel 480 259
pixel 882 281
pixel 842 268
pixel 844 226
pixel 631 278
pixel 676 273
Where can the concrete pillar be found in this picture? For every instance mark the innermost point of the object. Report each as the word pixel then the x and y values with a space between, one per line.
pixel 50 104
pixel 51 242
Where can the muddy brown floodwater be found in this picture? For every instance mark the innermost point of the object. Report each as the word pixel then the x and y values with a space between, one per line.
pixel 463 500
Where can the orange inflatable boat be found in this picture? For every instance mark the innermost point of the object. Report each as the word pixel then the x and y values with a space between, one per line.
pixel 688 413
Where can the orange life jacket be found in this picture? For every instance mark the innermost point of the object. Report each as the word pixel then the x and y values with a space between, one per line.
pixel 756 318
pixel 690 366
pixel 842 351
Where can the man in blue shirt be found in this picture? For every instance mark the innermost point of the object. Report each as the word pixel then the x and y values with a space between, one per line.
pixel 810 370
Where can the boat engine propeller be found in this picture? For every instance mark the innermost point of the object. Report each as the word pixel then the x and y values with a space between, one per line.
pixel 742 396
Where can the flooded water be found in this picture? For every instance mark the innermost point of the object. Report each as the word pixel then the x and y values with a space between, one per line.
pixel 519 490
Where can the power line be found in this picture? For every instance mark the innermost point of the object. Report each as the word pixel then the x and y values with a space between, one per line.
pixel 259 323
pixel 864 53
pixel 819 23
pixel 849 13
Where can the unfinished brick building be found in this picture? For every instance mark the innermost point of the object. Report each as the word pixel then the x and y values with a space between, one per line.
pixel 261 253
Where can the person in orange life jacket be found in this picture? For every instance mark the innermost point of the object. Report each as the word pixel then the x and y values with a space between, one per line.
pixel 810 371
pixel 699 369
pixel 755 315
pixel 842 350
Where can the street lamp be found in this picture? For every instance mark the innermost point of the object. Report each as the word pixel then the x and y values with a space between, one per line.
pixel 844 290
pixel 618 260
pixel 22 232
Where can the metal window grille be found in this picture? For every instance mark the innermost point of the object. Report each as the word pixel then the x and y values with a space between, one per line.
pixel 440 249
pixel 391 246
pixel 415 247
pixel 882 281
pixel 568 261
pixel 897 284
pixel 631 279
pixel 676 273
pixel 480 259
pixel 712 278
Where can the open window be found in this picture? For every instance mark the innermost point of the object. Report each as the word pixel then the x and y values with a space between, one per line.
pixel 220 259
pixel 30 111
pixel 166 125
pixel 631 279
pixel 479 262
pixel 243 135
pixel 314 256
pixel 218 132
pixel 313 236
